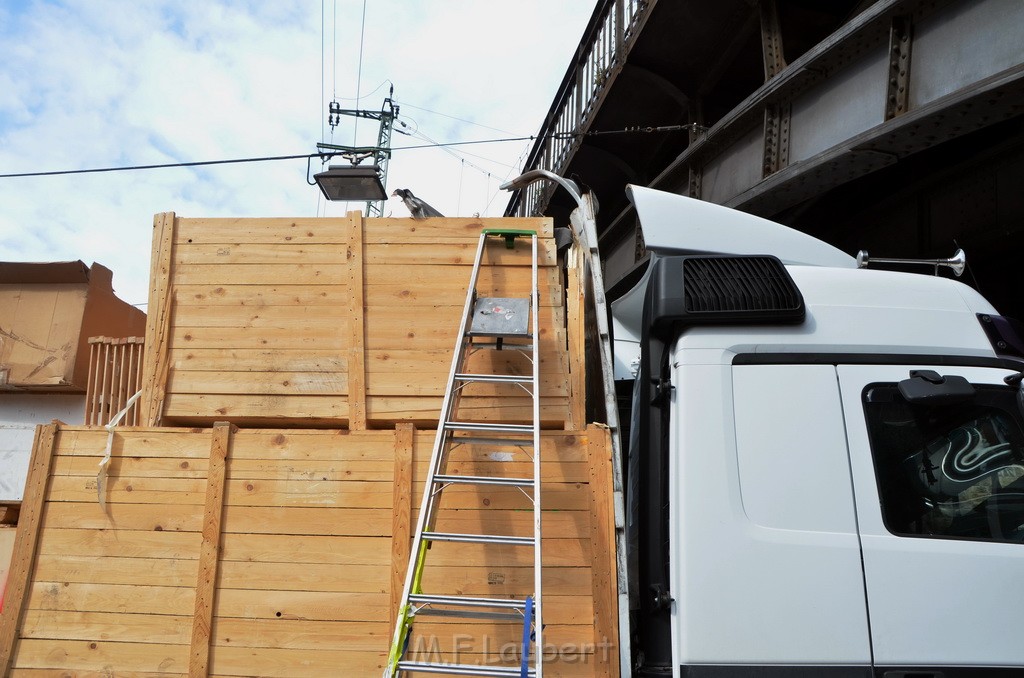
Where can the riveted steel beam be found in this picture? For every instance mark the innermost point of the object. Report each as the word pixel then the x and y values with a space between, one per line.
pixel 898 91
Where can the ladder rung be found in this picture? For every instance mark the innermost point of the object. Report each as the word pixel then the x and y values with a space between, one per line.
pixel 468 601
pixel 478 538
pixel 496 442
pixel 468 614
pixel 483 480
pixel 487 427
pixel 494 378
pixel 503 346
pixel 465 669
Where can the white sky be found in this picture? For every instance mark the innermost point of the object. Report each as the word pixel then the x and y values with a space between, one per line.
pixel 101 83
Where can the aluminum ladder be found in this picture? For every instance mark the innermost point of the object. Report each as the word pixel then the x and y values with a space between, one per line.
pixel 495 324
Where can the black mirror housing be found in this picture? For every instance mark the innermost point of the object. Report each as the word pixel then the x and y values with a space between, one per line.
pixel 928 387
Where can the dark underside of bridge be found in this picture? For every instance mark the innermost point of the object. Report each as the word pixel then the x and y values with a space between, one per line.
pixel 895 126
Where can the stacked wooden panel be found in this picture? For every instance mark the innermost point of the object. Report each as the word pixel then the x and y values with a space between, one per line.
pixel 232 552
pixel 282 550
pixel 332 322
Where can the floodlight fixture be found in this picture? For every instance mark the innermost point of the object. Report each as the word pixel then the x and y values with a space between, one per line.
pixel 353 182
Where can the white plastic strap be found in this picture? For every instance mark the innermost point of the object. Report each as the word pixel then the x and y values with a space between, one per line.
pixel 101 477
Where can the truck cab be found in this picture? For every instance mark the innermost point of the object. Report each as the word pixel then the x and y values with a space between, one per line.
pixel 825 472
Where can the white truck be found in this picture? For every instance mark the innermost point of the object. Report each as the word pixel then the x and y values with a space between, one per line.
pixel 825 473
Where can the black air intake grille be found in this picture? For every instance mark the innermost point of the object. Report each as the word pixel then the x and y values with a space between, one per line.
pixel 713 285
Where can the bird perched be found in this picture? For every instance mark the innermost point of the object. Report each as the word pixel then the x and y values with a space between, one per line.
pixel 418 208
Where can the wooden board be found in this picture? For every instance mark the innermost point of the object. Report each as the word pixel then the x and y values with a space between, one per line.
pixel 296 564
pixel 285 321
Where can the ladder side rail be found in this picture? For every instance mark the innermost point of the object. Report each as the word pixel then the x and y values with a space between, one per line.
pixel 537 561
pixel 585 227
pixel 427 502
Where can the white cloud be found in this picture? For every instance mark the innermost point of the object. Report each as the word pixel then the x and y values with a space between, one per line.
pixel 95 83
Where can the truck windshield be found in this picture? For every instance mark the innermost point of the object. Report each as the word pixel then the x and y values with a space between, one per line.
pixel 954 471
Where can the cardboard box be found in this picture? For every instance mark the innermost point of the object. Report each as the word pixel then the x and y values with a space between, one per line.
pixel 48 311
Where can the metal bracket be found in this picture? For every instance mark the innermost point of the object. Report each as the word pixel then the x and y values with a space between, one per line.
pixel 897 96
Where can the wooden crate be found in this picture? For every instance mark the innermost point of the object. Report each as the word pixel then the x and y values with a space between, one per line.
pixel 336 321
pixel 233 552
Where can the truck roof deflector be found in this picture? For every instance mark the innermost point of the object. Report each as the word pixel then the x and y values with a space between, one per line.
pixel 675 224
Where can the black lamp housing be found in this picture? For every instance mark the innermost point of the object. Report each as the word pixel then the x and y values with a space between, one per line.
pixel 355 182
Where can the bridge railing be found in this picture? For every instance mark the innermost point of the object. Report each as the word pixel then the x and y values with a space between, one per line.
pixel 601 53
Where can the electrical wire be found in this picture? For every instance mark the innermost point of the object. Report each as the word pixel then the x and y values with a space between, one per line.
pixel 324 155
pixel 452 117
pixel 359 73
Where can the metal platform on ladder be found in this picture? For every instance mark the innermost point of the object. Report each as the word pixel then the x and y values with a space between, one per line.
pixel 488 324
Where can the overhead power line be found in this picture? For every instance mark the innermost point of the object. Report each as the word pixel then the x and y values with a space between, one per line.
pixel 309 156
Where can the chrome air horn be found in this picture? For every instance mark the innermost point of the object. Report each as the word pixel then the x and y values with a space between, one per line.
pixel 957 262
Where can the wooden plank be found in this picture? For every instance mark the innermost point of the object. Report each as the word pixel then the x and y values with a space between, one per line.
pixel 300 634
pixel 136 442
pixel 560 662
pixel 330 469
pixel 443 286
pixel 26 541
pixel 242 359
pixel 88 515
pixel 389 328
pixel 199 653
pixel 371 522
pixel 558 524
pixel 455 253
pixel 326 521
pixel 130 467
pixel 230 294
pixel 305 663
pixel 121 544
pixel 509 280
pixel 50 673
pixel 558 609
pixel 504 581
pixel 602 538
pixel 279 231
pixel 576 332
pixel 390 383
pixel 158 319
pixel 444 293
pixel 324 338
pixel 274 548
pixel 425 410
pixel 173 491
pixel 258 383
pixel 109 626
pixel 242 252
pixel 289 445
pixel 401 502
pixel 120 598
pixel 312 409
pixel 100 656
pixel 91 569
pixel 324 605
pixel 367 494
pixel 262 274
pixel 493 636
pixel 357 326
pixel 311 577
pixel 436 361
pixel 241 314
pixel 572 552
pixel 456 229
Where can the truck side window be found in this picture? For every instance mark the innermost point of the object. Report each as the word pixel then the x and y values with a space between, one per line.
pixel 954 471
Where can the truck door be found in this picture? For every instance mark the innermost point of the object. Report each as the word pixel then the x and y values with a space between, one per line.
pixel 939 491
